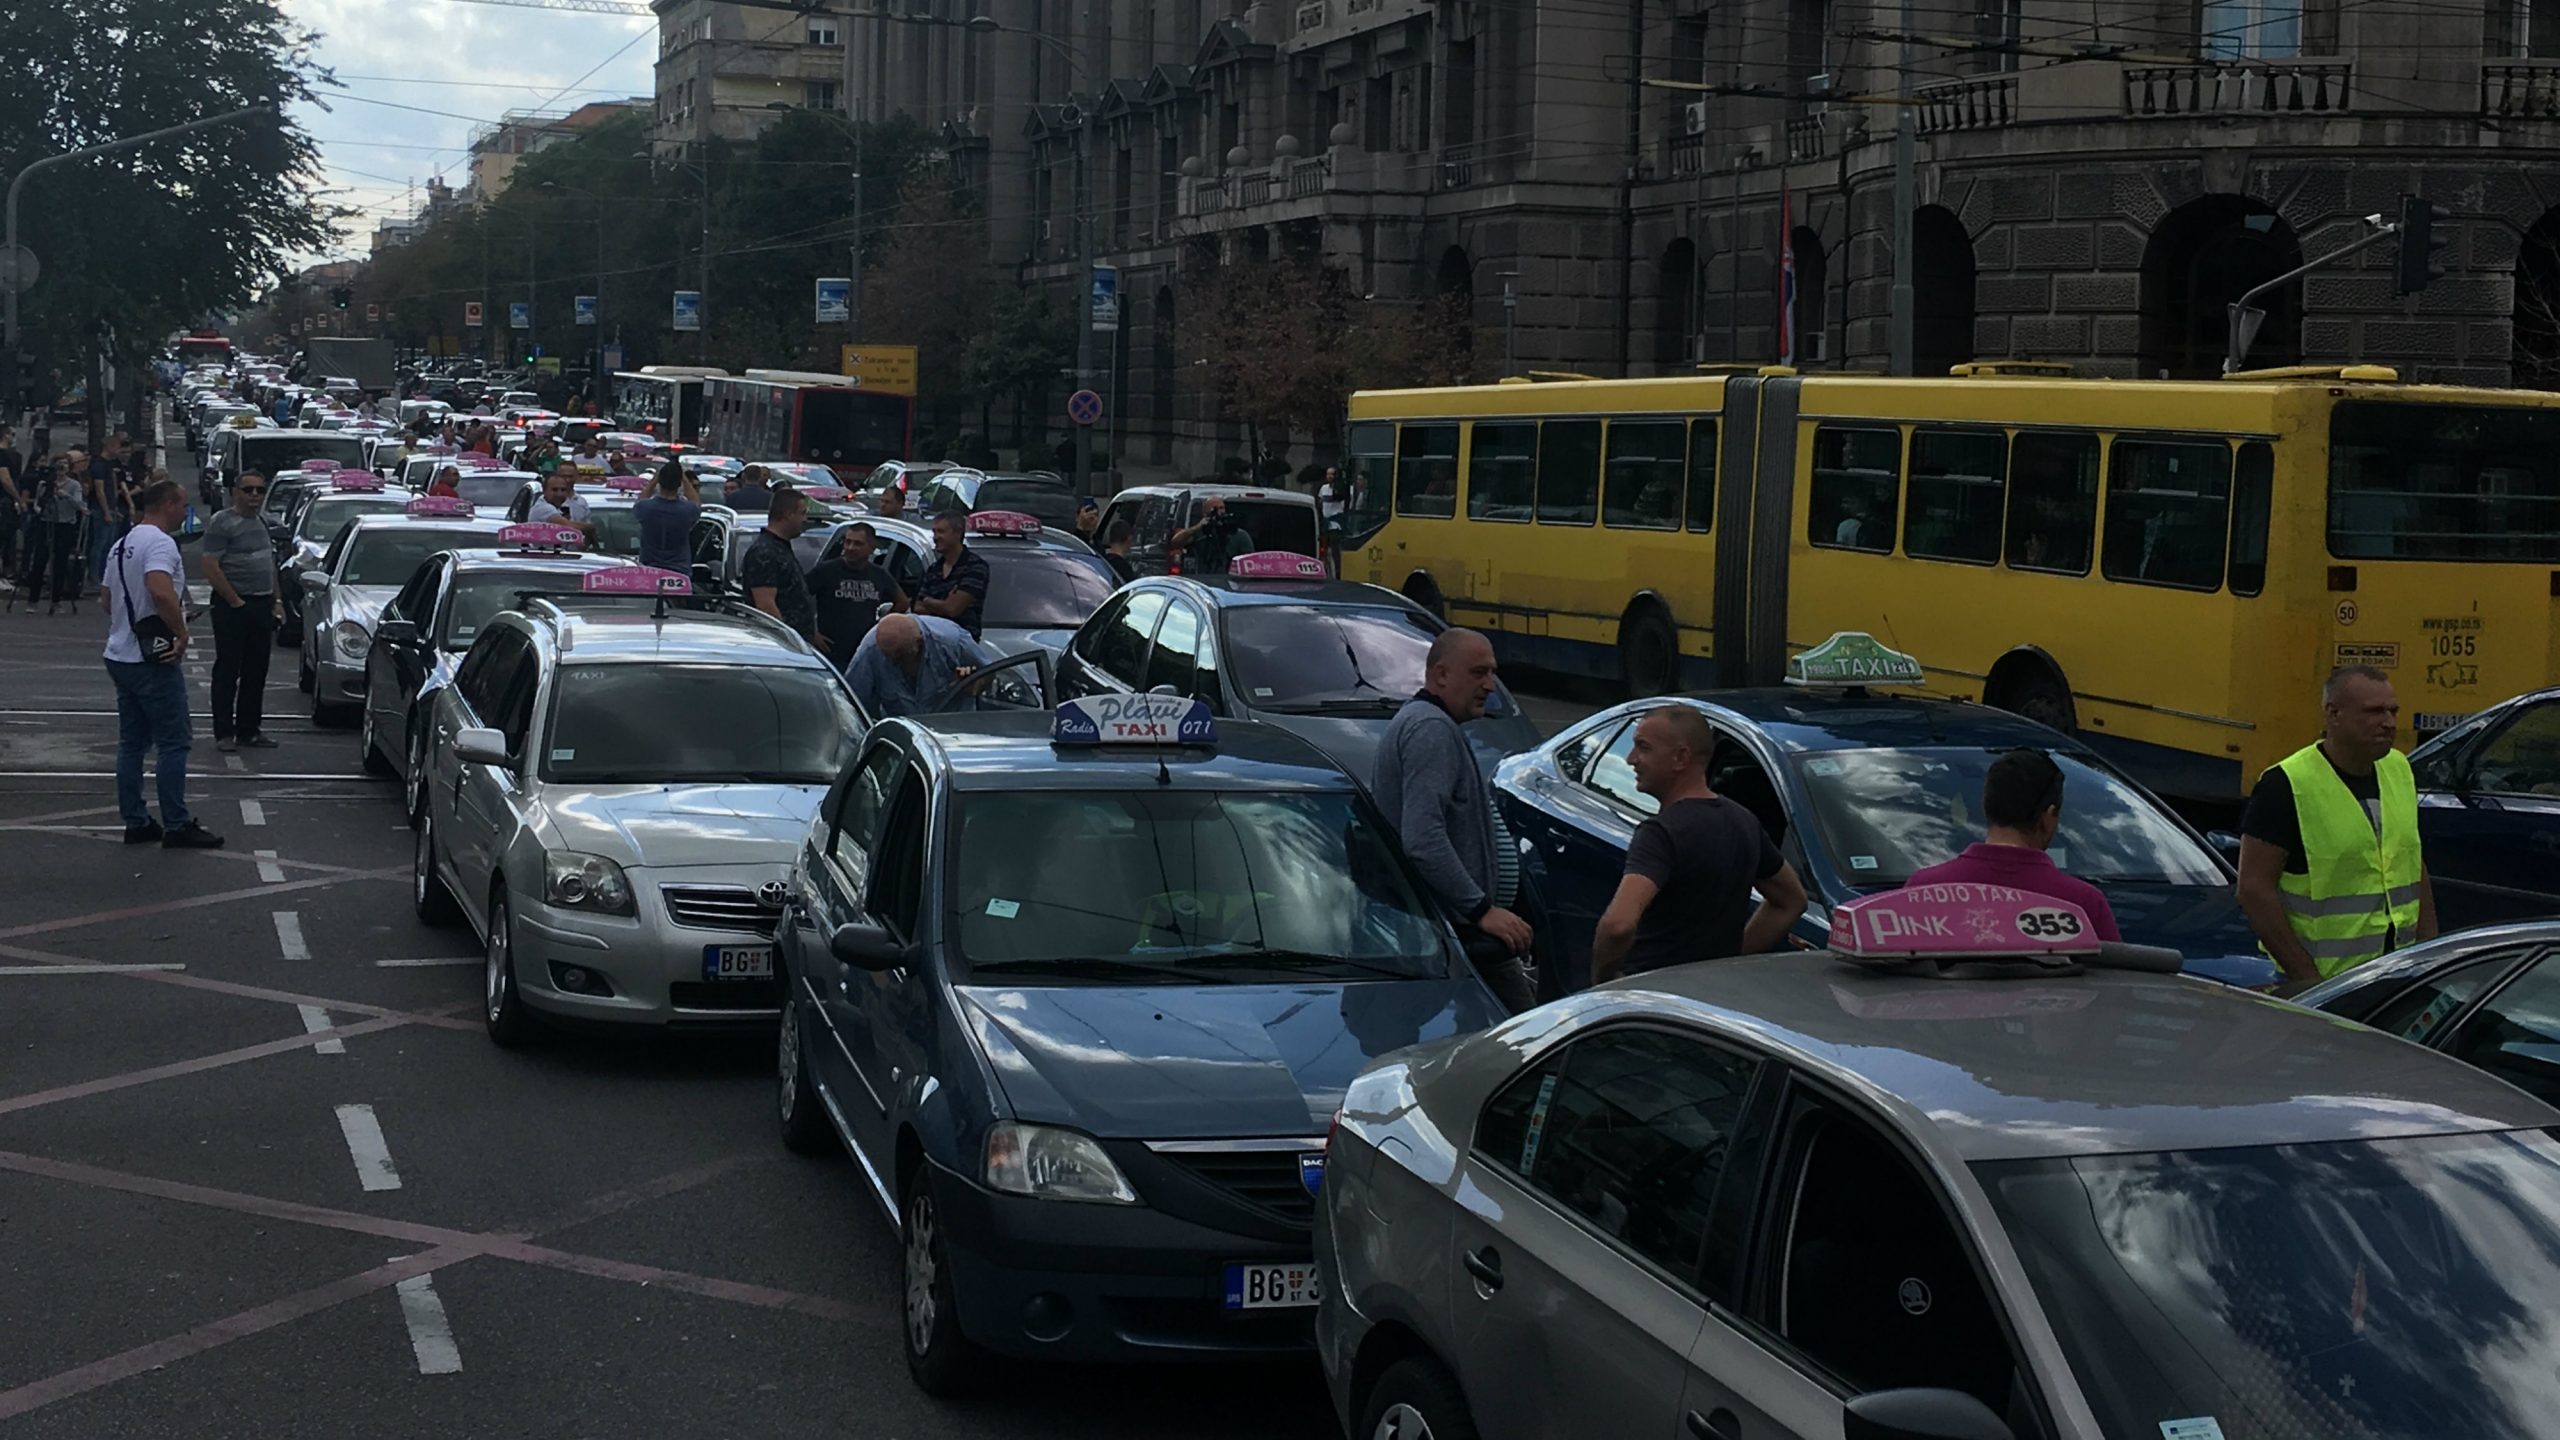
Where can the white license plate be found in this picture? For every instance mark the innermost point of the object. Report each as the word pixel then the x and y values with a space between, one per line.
pixel 737 962
pixel 1272 1287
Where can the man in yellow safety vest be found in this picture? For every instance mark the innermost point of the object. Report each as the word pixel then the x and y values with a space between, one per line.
pixel 2330 873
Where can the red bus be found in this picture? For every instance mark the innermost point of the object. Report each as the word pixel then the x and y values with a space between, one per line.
pixel 808 415
pixel 194 350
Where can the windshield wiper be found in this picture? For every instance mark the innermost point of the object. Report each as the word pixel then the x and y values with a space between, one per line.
pixel 1377 705
pixel 1297 960
pixel 1089 967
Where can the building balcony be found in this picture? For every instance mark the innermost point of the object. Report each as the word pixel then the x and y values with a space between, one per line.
pixel 1808 138
pixel 2521 89
pixel 2239 87
pixel 1977 102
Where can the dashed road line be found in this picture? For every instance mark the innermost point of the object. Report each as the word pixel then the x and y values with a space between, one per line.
pixel 232 762
pixel 99 969
pixel 372 1154
pixel 268 869
pixel 289 935
pixel 252 813
pixel 430 1331
pixel 428 962
pixel 315 1020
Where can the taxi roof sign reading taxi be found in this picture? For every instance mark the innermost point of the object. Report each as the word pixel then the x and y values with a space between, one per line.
pixel 1853 657
pixel 1133 720
pixel 319 467
pixel 1961 922
pixel 636 580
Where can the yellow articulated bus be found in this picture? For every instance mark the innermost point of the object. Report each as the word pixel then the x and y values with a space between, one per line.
pixel 2168 568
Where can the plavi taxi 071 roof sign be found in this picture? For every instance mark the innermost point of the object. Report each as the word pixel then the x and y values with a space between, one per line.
pixel 1133 720
pixel 1853 657
pixel 1961 921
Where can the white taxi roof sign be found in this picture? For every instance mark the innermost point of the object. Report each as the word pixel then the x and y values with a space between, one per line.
pixel 1133 720
pixel 1961 921
pixel 1853 657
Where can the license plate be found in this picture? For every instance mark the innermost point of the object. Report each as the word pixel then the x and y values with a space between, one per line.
pixel 737 962
pixel 1272 1287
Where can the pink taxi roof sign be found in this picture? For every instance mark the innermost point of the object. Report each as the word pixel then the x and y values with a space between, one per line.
pixel 1276 565
pixel 440 505
pixel 318 467
pixel 543 537
pixel 354 480
pixel 828 493
pixel 626 482
pixel 476 460
pixel 1961 922
pixel 636 580
pixel 1003 522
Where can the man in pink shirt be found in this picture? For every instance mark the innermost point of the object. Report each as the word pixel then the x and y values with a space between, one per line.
pixel 2021 810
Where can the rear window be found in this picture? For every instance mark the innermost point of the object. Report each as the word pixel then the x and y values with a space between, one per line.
pixel 1275 524
pixel 1042 589
pixel 488 490
pixel 390 557
pixel 1053 505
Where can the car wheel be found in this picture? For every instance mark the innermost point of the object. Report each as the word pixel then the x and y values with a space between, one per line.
pixel 510 1023
pixel 414 786
pixel 1649 654
pixel 804 1129
pixel 1416 1400
pixel 289 631
pixel 376 763
pixel 2043 699
pixel 939 1356
pixel 307 681
pixel 427 890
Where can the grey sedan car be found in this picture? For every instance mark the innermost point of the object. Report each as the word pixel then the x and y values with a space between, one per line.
pixel 343 595
pixel 1800 1197
pixel 2488 997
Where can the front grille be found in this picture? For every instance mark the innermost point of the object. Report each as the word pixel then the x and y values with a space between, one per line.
pixel 725 994
pixel 717 907
pixel 1264 1179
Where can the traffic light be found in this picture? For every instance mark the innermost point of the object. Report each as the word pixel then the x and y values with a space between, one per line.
pixel 341 296
pixel 2420 246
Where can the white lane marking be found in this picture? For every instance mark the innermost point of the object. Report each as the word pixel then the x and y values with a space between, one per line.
pixel 87 969
pixel 315 1020
pixel 232 762
pixel 252 813
pixel 426 963
pixel 268 869
pixel 372 1154
pixel 289 935
pixel 430 1332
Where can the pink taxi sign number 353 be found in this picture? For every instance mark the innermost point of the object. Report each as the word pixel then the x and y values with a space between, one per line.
pixel 1954 921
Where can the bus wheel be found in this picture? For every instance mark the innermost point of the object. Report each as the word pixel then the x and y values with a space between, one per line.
pixel 1422 590
pixel 1648 653
pixel 2039 695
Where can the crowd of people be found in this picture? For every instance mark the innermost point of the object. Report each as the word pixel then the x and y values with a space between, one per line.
pixel 60 513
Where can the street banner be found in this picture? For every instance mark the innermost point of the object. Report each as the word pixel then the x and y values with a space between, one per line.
pixel 835 300
pixel 688 310
pixel 1106 298
pixel 585 306
pixel 519 315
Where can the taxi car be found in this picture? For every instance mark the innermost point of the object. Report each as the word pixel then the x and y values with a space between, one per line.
pixel 1957 1176
pixel 613 792
pixel 343 595
pixel 322 504
pixel 2489 812
pixel 1276 640
pixel 1276 519
pixel 1042 582
pixel 2489 997
pixel 271 452
pixel 1042 494
pixel 426 628
pixel 1079 991
pixel 1859 790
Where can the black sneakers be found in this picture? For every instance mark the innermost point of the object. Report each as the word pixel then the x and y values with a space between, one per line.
pixel 190 836
pixel 142 834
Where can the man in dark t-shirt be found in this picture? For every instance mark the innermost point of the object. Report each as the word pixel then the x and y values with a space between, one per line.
pixel 1686 894
pixel 849 587
pixel 771 572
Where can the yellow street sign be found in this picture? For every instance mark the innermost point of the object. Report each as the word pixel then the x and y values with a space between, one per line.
pixel 890 368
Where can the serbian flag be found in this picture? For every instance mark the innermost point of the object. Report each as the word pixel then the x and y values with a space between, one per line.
pixel 1786 276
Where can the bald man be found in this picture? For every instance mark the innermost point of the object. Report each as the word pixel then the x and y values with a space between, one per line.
pixel 908 664
pixel 1694 865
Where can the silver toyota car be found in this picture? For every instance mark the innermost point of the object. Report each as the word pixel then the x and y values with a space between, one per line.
pixel 614 793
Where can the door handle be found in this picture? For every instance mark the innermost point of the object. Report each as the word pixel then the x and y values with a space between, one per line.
pixel 1718 1424
pixel 1485 1265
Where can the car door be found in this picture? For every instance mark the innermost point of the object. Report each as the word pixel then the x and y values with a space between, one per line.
pixel 899 1002
pixel 1119 662
pixel 1174 661
pixel 1021 682
pixel 1583 823
pixel 386 693
pixel 2490 820
pixel 486 796
pixel 1605 1193
pixel 1076 668
pixel 839 886
pixel 711 550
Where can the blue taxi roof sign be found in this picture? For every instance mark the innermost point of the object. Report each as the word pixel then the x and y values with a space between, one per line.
pixel 1853 657
pixel 1133 720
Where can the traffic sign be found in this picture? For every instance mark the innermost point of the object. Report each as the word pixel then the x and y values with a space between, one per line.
pixel 473 313
pixel 1084 407
pixel 372 311
pixel 1106 298
pixel 835 300
pixel 18 268
pixel 890 369
pixel 688 311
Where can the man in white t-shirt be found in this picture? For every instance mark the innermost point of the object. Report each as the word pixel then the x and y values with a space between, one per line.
pixel 1329 509
pixel 145 579
pixel 560 504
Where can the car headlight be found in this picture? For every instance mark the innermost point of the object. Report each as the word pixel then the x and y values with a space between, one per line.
pixel 353 639
pixel 1051 1164
pixel 585 882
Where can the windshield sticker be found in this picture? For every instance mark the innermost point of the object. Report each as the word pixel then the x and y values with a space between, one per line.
pixel 1261 692
pixel 1822 767
pixel 1004 909
pixel 1537 1124
pixel 2202 1427
pixel 564 754
pixel 1862 862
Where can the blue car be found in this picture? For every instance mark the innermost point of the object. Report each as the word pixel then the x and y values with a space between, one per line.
pixel 1082 1011
pixel 1859 791
pixel 2489 813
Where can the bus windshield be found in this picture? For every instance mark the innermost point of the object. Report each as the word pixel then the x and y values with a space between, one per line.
pixel 2443 482
pixel 848 428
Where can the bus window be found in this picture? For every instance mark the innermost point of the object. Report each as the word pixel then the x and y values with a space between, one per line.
pixel 2053 500
pixel 1857 488
pixel 2168 512
pixel 1427 472
pixel 1568 472
pixel 2443 482
pixel 1702 474
pixel 1371 473
pixel 2252 486
pixel 1502 470
pixel 1643 483
pixel 1956 480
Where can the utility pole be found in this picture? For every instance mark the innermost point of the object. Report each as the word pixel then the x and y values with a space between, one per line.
pixel 854 116
pixel 1084 301
pixel 702 297
pixel 1906 141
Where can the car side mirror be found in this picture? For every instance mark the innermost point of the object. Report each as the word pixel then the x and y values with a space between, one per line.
pixel 866 947
pixel 2226 844
pixel 706 581
pixel 480 745
pixel 1920 1413
pixel 396 632
pixel 314 581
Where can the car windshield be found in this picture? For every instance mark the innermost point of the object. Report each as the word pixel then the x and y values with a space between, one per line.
pixel 270 454
pixel 1189 885
pixel 1883 814
pixel 1041 589
pixel 617 530
pixel 323 518
pixel 390 557
pixel 280 497
pixel 1048 502
pixel 1275 525
pixel 488 490
pixel 2370 1290
pixel 478 596
pixel 1305 656
pixel 624 724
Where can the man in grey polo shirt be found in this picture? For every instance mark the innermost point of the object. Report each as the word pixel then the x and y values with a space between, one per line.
pixel 240 563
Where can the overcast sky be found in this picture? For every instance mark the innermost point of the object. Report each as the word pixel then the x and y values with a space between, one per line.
pixel 417 75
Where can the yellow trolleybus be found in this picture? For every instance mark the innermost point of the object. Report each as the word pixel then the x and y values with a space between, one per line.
pixel 2166 567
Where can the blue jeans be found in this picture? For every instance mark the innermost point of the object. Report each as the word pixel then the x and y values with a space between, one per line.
pixel 151 710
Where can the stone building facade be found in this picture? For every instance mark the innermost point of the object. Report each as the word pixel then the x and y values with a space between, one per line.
pixel 1605 185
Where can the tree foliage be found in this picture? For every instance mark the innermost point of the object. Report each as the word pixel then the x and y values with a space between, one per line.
pixel 1284 342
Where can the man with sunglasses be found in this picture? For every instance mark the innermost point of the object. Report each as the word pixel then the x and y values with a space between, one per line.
pixel 240 563
pixel 2021 811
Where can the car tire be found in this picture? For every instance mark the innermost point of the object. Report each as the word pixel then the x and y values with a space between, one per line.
pixel 1415 1400
pixel 305 679
pixel 376 763
pixel 1648 654
pixel 796 1107
pixel 289 632
pixel 2043 698
pixel 427 891
pixel 940 1357
pixel 413 786
pixel 510 1024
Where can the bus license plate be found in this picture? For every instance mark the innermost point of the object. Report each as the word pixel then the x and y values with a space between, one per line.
pixel 737 962
pixel 1272 1287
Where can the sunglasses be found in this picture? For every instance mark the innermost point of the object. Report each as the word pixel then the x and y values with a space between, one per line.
pixel 250 489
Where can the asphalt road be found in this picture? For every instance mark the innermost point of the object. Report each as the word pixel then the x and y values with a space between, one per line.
pixel 262 1174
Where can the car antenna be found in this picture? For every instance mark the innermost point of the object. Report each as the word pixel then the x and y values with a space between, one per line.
pixel 1164 772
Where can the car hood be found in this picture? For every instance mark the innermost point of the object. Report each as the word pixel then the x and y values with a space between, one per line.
pixel 1352 740
pixel 672 826
pixel 361 603
pixel 1190 1062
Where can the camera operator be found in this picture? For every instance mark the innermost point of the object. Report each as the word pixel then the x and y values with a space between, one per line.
pixel 1208 547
